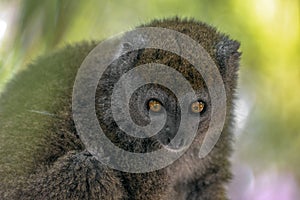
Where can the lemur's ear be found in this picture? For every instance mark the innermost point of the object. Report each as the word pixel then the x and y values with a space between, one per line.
pixel 122 59
pixel 228 57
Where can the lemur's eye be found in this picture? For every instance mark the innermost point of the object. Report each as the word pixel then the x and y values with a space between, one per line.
pixel 154 105
pixel 197 107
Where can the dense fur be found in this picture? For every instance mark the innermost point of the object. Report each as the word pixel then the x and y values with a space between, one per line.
pixel 42 157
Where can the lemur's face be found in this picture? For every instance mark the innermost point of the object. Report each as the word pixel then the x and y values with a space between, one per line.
pixel 154 104
pixel 157 103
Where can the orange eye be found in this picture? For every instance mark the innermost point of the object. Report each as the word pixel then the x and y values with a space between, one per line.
pixel 197 107
pixel 154 106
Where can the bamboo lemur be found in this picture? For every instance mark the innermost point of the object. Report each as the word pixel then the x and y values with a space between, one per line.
pixel 42 157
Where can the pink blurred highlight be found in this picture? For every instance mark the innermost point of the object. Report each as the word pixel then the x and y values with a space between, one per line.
pixel 270 185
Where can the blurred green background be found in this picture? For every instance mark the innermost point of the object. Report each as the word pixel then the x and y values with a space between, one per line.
pixel 267 154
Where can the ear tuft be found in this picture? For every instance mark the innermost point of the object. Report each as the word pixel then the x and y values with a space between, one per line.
pixel 227 53
pixel 228 57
